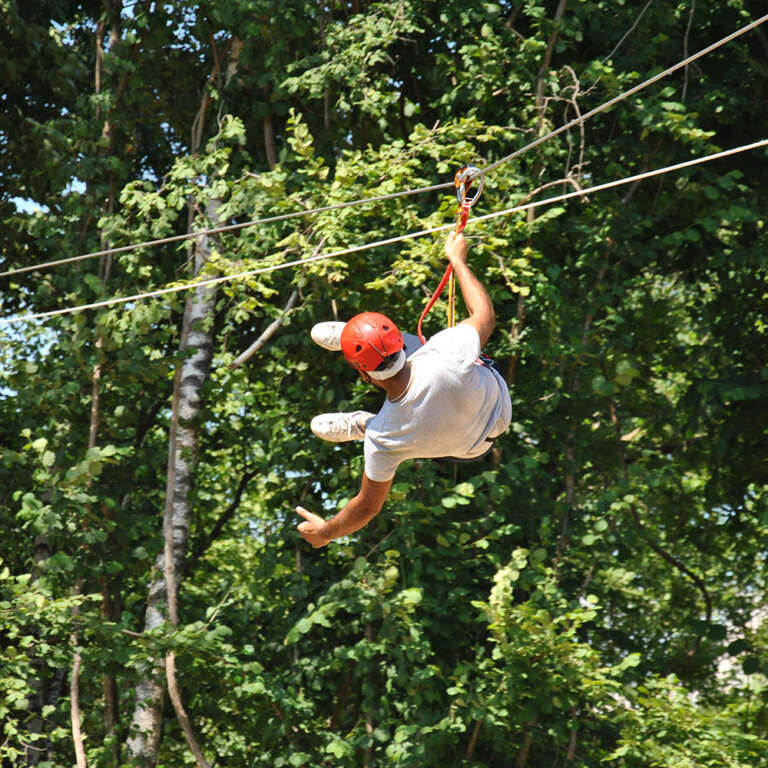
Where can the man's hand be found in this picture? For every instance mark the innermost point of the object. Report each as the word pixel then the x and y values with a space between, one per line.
pixel 313 527
pixel 357 512
pixel 456 248
pixel 476 299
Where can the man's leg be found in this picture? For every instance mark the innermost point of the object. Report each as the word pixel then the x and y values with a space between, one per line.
pixel 328 336
pixel 341 427
pixel 336 427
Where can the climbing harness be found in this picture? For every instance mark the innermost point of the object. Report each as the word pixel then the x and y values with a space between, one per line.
pixel 486 362
pixel 463 181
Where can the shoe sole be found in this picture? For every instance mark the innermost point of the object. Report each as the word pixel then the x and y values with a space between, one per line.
pixel 317 424
pixel 321 341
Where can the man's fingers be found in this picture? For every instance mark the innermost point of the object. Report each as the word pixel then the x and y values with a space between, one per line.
pixel 309 529
pixel 305 513
pixel 311 517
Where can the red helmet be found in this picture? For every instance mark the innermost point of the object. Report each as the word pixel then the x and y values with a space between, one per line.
pixel 368 338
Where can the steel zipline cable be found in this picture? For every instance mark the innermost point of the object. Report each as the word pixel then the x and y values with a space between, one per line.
pixel 393 195
pixel 626 94
pixel 226 228
pixel 388 241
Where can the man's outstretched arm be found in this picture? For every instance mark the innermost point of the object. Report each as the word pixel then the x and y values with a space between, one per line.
pixel 481 315
pixel 355 515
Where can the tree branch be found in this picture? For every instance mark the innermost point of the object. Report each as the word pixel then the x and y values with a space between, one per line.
pixel 146 422
pixel 522 755
pixel 93 430
pixel 341 698
pixel 473 739
pixel 685 49
pixel 655 546
pixel 268 333
pixel 626 35
pixel 272 328
pixel 74 696
pixel 571 753
pixel 199 122
pixel 181 715
pixel 224 518
pixel 559 13
pixel 659 550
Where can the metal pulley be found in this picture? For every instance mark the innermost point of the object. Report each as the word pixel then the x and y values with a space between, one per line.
pixel 463 181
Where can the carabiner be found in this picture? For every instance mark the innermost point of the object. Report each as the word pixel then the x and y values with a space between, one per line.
pixel 463 182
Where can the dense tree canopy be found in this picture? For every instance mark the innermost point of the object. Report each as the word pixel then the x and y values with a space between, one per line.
pixel 594 591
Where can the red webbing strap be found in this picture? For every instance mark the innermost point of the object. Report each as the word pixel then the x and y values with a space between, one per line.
pixel 463 185
pixel 461 221
pixel 431 302
pixel 462 215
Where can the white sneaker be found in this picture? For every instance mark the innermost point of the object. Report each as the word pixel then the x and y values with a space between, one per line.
pixel 340 427
pixel 328 335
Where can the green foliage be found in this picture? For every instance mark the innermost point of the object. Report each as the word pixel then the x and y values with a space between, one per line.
pixel 594 593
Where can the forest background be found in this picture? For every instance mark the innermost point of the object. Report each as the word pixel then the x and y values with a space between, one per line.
pixel 592 593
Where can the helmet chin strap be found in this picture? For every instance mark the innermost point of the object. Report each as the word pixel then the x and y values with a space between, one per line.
pixel 393 369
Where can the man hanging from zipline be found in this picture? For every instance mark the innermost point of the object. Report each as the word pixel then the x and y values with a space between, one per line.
pixel 443 399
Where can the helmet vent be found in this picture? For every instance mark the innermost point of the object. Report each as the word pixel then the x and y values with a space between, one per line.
pixel 358 348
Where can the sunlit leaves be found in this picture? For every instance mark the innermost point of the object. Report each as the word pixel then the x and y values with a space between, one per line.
pixel 540 597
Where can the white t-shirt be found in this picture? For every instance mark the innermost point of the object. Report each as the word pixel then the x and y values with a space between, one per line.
pixel 452 405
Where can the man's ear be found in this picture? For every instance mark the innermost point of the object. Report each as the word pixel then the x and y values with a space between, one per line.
pixel 365 377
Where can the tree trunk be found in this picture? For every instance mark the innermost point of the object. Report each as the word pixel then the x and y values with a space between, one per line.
pixel 270 146
pixel 547 60
pixel 196 349
pixel 530 216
